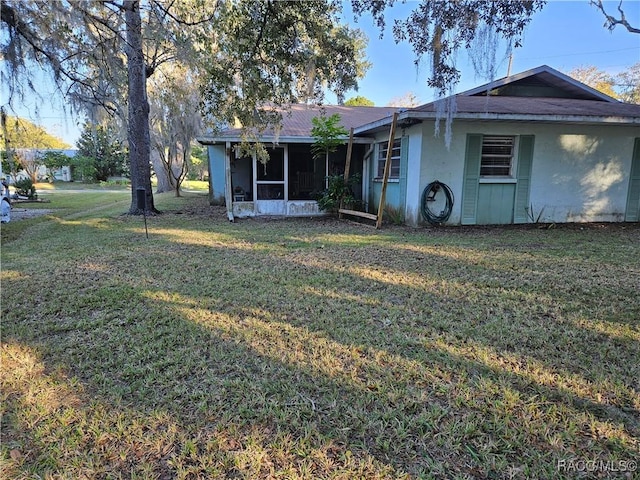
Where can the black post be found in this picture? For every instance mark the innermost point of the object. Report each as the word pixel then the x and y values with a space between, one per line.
pixel 142 204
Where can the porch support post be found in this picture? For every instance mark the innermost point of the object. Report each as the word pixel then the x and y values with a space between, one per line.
pixel 228 193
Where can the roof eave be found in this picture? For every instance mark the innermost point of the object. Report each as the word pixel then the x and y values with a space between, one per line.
pixel 213 140
pixel 384 122
pixel 506 117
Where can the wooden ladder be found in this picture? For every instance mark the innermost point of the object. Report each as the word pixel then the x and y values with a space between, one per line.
pixel 385 177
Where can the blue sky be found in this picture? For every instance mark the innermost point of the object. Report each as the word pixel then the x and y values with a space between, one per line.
pixel 564 35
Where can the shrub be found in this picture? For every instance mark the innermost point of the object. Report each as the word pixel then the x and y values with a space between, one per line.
pixel 338 193
pixel 25 188
pixel 394 215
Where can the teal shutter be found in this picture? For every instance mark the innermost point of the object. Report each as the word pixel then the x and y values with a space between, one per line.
pixel 404 162
pixel 523 187
pixel 632 212
pixel 471 177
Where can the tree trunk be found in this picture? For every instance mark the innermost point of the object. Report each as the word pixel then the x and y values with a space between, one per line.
pixel 138 131
pixel 163 183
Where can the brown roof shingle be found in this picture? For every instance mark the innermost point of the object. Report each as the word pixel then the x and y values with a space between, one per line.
pixel 538 106
pixel 296 119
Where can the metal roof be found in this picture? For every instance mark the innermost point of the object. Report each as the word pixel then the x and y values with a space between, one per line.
pixel 296 122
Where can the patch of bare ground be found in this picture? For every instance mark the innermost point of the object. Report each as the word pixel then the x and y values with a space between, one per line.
pixel 26 213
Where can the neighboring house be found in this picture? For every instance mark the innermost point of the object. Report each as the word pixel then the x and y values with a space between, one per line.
pixel 62 174
pixel 535 146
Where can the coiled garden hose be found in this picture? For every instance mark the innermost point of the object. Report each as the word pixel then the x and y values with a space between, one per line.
pixel 428 201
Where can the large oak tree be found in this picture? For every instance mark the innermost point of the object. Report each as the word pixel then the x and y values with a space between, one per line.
pixel 249 53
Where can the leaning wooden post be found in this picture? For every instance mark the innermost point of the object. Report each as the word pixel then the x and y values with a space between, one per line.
pixel 387 168
pixel 347 166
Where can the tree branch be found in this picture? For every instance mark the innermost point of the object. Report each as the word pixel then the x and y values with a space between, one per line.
pixel 181 21
pixel 612 22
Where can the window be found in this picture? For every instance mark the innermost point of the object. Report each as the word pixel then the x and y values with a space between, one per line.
pixel 394 172
pixel 306 174
pixel 497 156
pixel 273 170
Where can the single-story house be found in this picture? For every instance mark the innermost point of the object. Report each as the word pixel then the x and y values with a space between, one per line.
pixel 286 185
pixel 534 146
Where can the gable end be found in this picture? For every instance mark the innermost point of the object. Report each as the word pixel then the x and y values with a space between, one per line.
pixel 540 82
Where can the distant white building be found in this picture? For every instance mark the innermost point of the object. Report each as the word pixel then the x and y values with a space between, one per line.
pixel 62 174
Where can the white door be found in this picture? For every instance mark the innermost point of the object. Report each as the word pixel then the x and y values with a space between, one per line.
pixel 270 183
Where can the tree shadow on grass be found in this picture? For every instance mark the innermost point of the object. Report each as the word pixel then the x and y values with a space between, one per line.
pixel 297 364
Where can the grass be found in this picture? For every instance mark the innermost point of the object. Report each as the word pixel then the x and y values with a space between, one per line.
pixel 61 187
pixel 315 348
pixel 57 187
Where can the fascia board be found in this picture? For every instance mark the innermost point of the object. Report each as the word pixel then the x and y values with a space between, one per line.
pixel 277 140
pixel 518 117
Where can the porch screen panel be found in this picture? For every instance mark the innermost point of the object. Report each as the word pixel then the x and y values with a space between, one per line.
pixel 471 177
pixel 270 176
pixel 306 174
pixel 273 171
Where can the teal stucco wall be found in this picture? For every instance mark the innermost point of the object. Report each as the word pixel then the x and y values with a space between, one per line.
pixel 216 165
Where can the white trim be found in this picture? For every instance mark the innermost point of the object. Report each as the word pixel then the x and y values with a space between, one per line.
pixel 507 117
pixel 497 180
pixel 228 194
pixel 254 197
pixel 389 180
pixel 286 174
pixel 270 139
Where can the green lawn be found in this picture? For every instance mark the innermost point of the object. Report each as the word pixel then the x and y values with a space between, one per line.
pixel 315 348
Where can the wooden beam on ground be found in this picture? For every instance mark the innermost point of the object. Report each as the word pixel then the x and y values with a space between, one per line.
pixel 347 165
pixel 356 213
pixel 387 168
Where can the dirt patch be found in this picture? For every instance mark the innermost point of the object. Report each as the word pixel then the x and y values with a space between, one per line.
pixel 25 213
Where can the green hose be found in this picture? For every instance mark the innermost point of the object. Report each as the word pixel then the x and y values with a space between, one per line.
pixel 429 195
